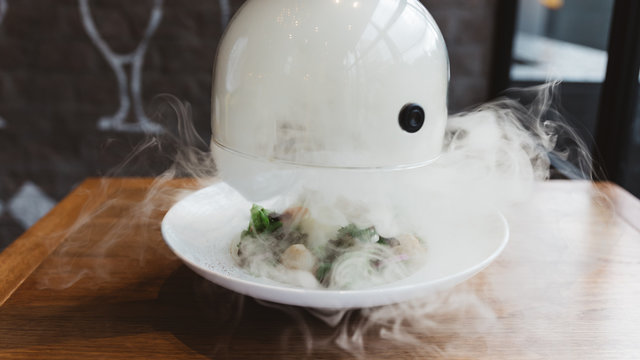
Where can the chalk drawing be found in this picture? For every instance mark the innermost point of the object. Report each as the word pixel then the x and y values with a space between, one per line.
pixel 4 6
pixel 29 204
pixel 129 87
pixel 225 12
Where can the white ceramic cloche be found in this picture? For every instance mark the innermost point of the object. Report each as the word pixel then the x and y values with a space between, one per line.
pixel 330 83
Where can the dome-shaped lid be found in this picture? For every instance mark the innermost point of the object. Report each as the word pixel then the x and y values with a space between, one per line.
pixel 336 83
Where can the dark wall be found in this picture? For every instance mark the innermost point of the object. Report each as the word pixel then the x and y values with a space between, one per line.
pixel 67 69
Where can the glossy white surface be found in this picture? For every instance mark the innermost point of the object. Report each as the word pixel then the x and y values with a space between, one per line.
pixel 321 82
pixel 199 230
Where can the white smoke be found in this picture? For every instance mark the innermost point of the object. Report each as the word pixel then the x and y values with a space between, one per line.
pixel 492 158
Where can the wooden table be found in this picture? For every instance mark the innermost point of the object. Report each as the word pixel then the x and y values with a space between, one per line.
pixel 566 287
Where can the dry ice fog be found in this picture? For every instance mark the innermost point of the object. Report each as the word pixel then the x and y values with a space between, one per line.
pixel 355 227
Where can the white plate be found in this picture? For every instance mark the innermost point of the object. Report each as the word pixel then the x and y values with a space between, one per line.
pixel 199 229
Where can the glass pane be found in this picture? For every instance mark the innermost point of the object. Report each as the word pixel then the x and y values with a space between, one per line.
pixel 564 40
pixel 632 180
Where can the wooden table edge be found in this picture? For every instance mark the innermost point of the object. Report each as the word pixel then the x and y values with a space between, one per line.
pixel 41 239
pixel 626 205
pixel 14 266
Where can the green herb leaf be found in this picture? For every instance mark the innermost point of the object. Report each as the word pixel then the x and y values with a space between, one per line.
pixel 354 232
pixel 262 221
pixel 322 271
pixel 392 242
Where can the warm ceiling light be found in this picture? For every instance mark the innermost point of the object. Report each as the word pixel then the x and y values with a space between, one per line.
pixel 552 4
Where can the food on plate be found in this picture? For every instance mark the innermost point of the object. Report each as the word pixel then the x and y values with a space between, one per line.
pixel 293 247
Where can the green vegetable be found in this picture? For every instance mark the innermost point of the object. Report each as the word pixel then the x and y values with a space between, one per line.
pixel 262 221
pixel 388 241
pixel 348 235
pixel 322 271
pixel 357 233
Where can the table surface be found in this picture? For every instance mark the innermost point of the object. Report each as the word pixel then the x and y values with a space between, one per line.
pixel 93 279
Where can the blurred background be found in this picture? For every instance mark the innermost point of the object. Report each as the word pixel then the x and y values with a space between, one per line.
pixel 78 79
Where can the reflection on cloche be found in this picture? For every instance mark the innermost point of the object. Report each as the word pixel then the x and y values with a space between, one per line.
pixel 331 83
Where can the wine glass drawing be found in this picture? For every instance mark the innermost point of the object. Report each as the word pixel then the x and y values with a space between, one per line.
pixel 129 85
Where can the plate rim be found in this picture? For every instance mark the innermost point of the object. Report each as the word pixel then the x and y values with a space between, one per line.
pixel 346 297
